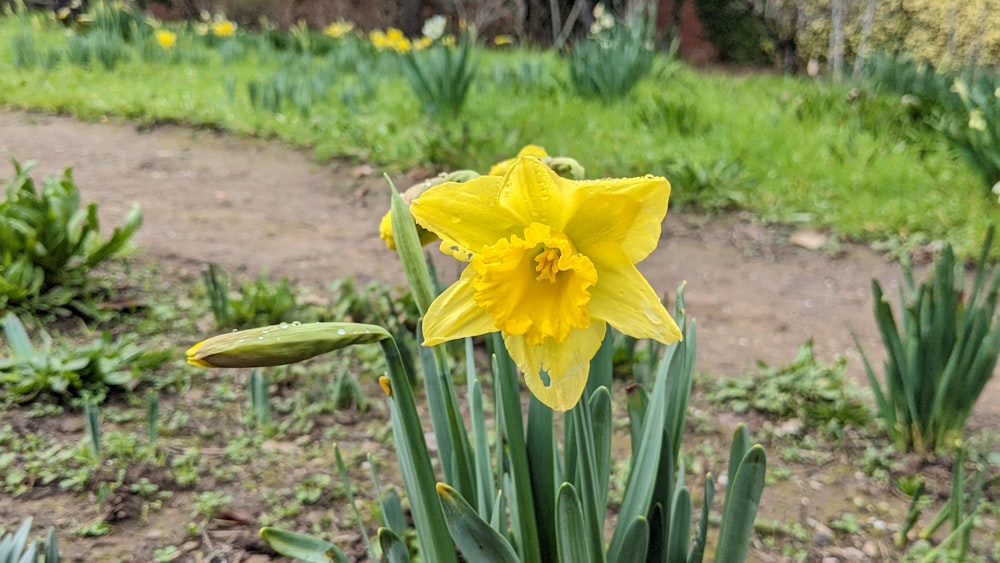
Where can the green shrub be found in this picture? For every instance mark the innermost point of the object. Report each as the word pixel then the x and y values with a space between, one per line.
pixel 941 355
pixel 49 245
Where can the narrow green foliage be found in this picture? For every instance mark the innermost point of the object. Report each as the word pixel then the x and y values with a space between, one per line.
pixel 441 75
pixel 742 500
pixel 940 356
pixel 474 537
pixel 15 548
pixel 610 63
pixel 345 480
pixel 152 416
pixel 303 547
pixel 508 493
pixel 255 303
pixel 572 529
pixel 394 549
pixel 260 398
pixel 49 245
pixel 92 418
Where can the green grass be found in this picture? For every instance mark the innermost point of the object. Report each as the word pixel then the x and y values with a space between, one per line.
pixel 810 153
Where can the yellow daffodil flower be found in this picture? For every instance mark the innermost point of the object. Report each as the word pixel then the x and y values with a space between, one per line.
pixel 551 264
pixel 338 29
pixel 223 28
pixel 166 39
pixel 392 38
pixel 501 40
pixel 412 193
pixel 422 43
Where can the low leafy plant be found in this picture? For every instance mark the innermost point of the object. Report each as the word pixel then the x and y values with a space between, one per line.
pixel 15 548
pixel 940 355
pixel 821 396
pixel 608 64
pixel 67 370
pixel 440 76
pixel 259 302
pixel 49 246
pixel 719 185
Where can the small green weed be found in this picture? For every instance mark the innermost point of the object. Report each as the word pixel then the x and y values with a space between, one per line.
pixel 210 503
pixel 67 370
pixel 254 304
pixel 818 395
pixel 722 184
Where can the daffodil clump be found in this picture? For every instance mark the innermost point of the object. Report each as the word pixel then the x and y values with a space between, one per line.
pixel 551 263
pixel 223 28
pixel 391 39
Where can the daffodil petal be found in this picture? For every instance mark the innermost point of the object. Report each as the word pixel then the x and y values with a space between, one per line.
pixel 534 193
pixel 455 314
pixel 627 211
pixel 566 364
pixel 624 298
pixel 465 215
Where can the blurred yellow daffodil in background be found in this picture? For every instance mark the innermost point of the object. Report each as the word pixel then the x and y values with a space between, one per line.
pixel 166 39
pixel 223 28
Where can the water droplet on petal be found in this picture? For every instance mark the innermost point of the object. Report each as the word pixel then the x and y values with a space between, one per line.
pixel 236 330
pixel 341 331
pixel 296 323
pixel 653 316
pixel 283 325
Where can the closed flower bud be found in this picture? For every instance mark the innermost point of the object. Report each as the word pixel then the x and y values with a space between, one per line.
pixel 281 344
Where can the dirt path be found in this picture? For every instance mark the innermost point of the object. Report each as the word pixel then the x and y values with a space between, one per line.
pixel 252 205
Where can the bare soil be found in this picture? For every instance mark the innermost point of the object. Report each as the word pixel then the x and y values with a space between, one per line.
pixel 252 205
